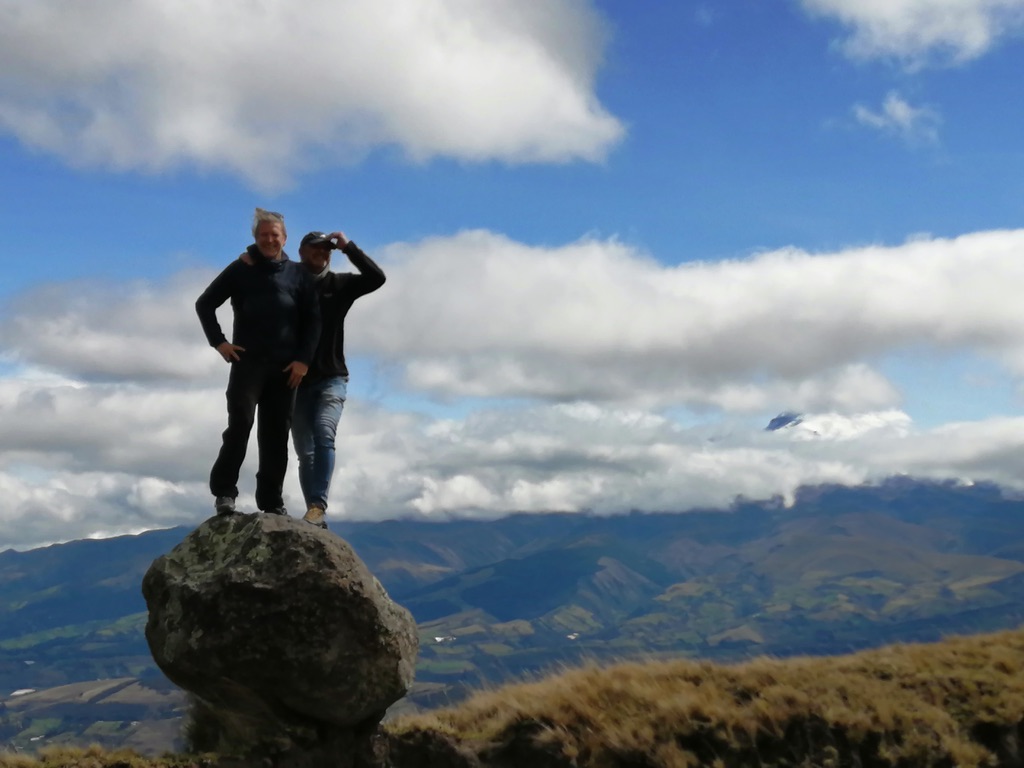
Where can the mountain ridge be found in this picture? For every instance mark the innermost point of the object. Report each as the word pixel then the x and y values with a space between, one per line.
pixel 840 569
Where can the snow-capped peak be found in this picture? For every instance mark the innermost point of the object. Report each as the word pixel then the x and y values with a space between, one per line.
pixel 836 426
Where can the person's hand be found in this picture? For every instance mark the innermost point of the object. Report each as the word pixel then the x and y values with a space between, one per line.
pixel 245 258
pixel 296 371
pixel 229 351
pixel 339 237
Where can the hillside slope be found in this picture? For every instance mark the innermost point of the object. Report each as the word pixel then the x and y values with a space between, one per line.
pixel 842 569
pixel 959 702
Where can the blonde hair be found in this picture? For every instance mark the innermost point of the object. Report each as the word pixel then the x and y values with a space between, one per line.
pixel 262 215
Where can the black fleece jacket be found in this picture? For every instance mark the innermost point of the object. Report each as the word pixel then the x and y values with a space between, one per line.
pixel 337 292
pixel 276 311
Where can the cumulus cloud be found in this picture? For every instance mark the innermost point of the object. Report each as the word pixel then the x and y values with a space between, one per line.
pixel 897 117
pixel 44 507
pixel 581 356
pixel 597 320
pixel 148 85
pixel 133 331
pixel 478 315
pixel 83 427
pixel 919 31
pixel 570 457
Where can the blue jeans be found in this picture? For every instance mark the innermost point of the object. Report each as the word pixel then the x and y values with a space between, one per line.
pixel 318 407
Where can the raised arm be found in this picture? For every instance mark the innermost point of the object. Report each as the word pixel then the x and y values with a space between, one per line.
pixel 370 277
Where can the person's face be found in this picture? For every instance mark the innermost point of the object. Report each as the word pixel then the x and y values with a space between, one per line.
pixel 315 257
pixel 270 238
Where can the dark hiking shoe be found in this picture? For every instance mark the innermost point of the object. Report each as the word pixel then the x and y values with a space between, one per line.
pixel 224 505
pixel 276 511
pixel 316 516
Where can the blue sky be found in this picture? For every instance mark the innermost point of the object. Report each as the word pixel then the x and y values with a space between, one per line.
pixel 619 238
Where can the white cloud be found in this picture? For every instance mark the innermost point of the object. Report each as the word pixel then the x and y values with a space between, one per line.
pixel 132 331
pixel 78 427
pixel 478 315
pixel 43 507
pixel 898 117
pixel 601 343
pixel 258 89
pixel 545 458
pixel 919 31
pixel 599 321
pixel 837 426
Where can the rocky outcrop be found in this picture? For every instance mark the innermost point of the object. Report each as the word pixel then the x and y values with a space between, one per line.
pixel 271 617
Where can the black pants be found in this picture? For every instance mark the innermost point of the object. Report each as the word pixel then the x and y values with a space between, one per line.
pixel 256 387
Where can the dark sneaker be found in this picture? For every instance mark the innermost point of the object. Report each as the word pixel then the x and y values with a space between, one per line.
pixel 224 505
pixel 316 516
pixel 276 511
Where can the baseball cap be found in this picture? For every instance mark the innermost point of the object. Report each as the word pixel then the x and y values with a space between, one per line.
pixel 316 238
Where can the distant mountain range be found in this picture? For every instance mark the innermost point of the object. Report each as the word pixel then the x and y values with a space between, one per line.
pixel 841 569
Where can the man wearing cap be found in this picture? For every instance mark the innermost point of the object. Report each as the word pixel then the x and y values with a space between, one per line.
pixel 275 332
pixel 321 395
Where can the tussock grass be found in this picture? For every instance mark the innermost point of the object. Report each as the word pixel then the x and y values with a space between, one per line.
pixel 958 703
pixel 955 703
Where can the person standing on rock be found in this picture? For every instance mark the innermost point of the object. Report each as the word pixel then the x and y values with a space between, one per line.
pixel 322 393
pixel 275 333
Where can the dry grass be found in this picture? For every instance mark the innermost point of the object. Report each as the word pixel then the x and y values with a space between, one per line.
pixel 956 703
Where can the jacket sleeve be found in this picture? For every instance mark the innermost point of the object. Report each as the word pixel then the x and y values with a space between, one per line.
pixel 216 293
pixel 370 277
pixel 309 318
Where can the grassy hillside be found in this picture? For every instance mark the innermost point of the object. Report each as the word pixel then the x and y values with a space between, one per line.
pixel 955 703
pixel 841 570
pixel 959 702
pixel 122 712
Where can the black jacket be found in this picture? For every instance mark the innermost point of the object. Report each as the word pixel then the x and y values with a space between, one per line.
pixel 337 292
pixel 276 312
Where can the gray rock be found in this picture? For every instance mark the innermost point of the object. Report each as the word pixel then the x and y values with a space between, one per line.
pixel 270 616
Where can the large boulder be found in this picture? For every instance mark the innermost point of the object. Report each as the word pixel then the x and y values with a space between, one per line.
pixel 270 616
